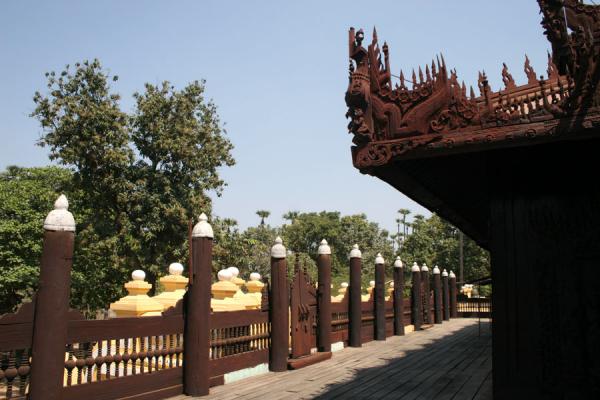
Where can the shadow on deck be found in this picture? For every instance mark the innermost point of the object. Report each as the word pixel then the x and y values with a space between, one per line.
pixel 449 361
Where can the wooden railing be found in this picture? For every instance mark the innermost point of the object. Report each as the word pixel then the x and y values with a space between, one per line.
pixel 238 340
pixel 474 307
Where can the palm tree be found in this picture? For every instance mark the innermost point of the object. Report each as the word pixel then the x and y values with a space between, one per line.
pixel 404 212
pixel 263 214
pixel 291 216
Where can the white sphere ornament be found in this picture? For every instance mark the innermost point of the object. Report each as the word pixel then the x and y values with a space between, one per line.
pixel 392 284
pixel 344 285
pixel 372 283
pixel 379 259
pixel 224 275
pixel 138 275
pixel 175 268
pixel 202 228
pixel 255 276
pixel 324 248
pixel 436 270
pixel 398 263
pixel 444 273
pixel 234 271
pixel 60 219
pixel 415 267
pixel 278 249
pixel 452 275
pixel 355 252
pixel 424 268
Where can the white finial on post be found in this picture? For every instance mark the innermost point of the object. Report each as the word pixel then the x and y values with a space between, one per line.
pixel 398 263
pixel 379 259
pixel 424 268
pixel 436 270
pixel 452 275
pixel 224 275
pixel 355 252
pixel 415 267
pixel 60 219
pixel 324 248
pixel 203 228
pixel 138 275
pixel 444 273
pixel 371 283
pixel 175 268
pixel 255 276
pixel 234 272
pixel 278 249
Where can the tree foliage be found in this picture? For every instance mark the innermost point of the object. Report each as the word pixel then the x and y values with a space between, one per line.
pixel 143 175
pixel 26 197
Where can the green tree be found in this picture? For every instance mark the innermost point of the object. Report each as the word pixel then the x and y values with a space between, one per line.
pixel 26 197
pixel 181 145
pixel 341 232
pixel 263 214
pixel 143 175
pixel 436 242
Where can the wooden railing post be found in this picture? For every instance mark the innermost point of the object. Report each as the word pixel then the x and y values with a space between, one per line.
pixel 324 297
pixel 453 289
pixel 415 311
pixel 445 296
pixel 379 297
pixel 398 297
pixel 196 374
pixel 279 309
pixel 52 304
pixel 426 294
pixel 355 312
pixel 437 295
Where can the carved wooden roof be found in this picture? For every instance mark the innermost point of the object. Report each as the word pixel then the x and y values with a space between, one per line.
pixel 432 113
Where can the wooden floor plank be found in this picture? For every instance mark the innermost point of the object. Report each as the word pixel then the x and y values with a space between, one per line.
pixel 448 361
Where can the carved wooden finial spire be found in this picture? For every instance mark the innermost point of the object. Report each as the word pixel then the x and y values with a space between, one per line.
pixel 480 83
pixel 402 85
pixel 530 72
pixel 507 78
pixel 472 93
pixel 433 69
pixel 414 78
pixel 420 75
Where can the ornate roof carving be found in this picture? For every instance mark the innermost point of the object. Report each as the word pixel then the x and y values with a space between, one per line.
pixel 432 110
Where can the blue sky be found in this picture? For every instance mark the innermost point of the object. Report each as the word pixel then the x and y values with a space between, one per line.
pixel 277 71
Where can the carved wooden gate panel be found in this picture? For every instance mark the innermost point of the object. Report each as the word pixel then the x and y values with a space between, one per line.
pixel 303 305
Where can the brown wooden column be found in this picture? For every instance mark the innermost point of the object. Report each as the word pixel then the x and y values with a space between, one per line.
pixel 379 298
pixel 415 300
pixel 437 295
pixel 452 291
pixel 52 304
pixel 426 294
pixel 324 297
pixel 279 309
pixel 196 374
pixel 398 297
pixel 445 296
pixel 355 310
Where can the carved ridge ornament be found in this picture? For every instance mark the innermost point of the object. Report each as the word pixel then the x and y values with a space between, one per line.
pixel 389 120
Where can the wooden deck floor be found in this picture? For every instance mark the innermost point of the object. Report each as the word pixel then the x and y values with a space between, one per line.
pixel 444 362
